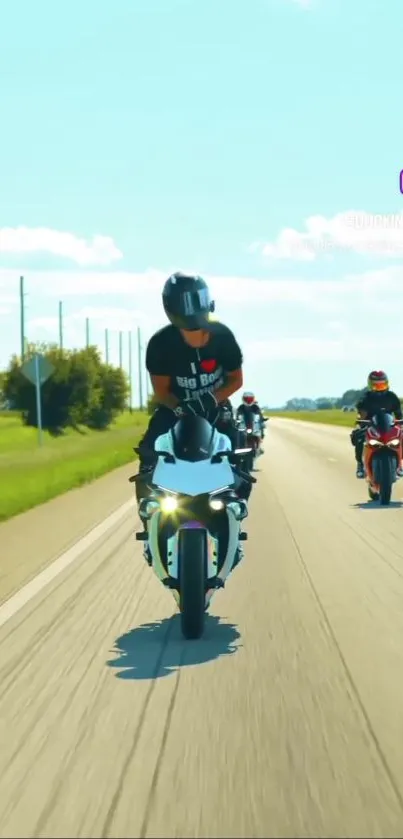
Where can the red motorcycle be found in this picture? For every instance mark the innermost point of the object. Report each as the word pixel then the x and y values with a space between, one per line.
pixel 382 454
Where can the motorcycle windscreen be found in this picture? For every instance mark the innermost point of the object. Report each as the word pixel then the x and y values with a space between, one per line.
pixel 192 439
pixel 193 479
pixel 383 421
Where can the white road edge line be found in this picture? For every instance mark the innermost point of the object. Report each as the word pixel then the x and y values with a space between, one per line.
pixel 20 599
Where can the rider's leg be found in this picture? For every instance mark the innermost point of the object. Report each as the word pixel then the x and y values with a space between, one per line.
pixel 244 488
pixel 161 421
pixel 359 450
pixel 357 439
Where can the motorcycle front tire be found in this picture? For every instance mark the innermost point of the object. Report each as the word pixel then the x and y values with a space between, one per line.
pixel 192 581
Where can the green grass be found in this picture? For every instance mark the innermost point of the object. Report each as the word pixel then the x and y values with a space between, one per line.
pixel 30 475
pixel 334 417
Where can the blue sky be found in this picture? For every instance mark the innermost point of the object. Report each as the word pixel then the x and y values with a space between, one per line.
pixel 190 134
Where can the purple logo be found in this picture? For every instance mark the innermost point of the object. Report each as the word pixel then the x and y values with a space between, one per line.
pixel 401 182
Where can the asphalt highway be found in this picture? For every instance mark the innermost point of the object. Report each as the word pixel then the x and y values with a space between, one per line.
pixel 286 720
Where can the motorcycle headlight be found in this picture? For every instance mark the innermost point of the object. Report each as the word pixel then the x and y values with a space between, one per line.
pixel 168 504
pixel 394 443
pixel 374 443
pixel 216 504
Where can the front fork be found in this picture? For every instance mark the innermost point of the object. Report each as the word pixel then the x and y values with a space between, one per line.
pixel 236 512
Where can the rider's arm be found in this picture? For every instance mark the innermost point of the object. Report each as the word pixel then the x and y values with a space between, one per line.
pixel 397 408
pixel 161 386
pixel 158 368
pixel 234 382
pixel 361 408
pixel 231 359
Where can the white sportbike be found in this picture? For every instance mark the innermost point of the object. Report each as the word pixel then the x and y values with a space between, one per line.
pixel 193 515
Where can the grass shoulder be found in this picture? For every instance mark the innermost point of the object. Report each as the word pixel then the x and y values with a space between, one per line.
pixel 31 475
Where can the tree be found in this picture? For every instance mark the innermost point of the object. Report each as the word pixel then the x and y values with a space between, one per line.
pixel 109 397
pixel 350 398
pixel 2 382
pixel 82 389
pixel 325 403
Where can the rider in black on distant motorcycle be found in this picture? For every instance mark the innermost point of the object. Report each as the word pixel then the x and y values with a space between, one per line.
pixel 248 409
pixel 195 365
pixel 378 397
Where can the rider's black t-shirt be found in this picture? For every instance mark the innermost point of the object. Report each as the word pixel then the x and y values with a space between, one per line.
pixel 193 371
pixel 386 401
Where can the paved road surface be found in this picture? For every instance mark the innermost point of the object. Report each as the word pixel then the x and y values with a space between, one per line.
pixel 287 720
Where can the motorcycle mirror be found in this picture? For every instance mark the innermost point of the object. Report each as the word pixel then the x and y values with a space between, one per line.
pixel 217 458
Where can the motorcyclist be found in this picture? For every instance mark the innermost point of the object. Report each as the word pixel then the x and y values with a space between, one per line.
pixel 249 408
pixel 377 397
pixel 195 365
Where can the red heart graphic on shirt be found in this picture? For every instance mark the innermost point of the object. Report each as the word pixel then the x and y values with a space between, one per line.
pixel 209 365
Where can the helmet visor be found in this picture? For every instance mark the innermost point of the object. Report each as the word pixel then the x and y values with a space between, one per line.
pixel 379 387
pixel 195 302
pixel 249 400
pixel 190 310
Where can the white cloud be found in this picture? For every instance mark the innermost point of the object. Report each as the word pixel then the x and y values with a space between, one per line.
pixel 115 320
pixel 349 348
pixel 378 234
pixel 143 291
pixel 100 250
pixel 286 319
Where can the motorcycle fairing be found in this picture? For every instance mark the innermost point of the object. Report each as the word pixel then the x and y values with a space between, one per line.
pixel 194 477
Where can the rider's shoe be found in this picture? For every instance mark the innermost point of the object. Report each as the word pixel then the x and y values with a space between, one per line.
pixel 360 473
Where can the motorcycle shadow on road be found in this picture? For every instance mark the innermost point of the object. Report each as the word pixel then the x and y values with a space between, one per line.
pixel 154 650
pixel 375 505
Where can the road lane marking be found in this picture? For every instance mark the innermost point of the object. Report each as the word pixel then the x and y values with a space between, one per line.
pixel 20 599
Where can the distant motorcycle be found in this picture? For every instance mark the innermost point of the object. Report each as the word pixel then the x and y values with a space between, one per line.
pixel 252 434
pixel 382 448
pixel 193 515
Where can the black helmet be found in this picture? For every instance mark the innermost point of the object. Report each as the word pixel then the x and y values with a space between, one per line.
pixel 187 302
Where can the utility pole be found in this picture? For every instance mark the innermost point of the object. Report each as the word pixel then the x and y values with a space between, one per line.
pixel 121 350
pixel 60 324
pixel 140 369
pixel 147 383
pixel 106 346
pixel 87 332
pixel 22 318
pixel 130 373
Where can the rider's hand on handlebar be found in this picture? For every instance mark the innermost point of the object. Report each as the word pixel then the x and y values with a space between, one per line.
pixel 205 406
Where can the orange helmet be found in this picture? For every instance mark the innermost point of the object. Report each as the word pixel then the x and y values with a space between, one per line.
pixel 378 381
pixel 248 398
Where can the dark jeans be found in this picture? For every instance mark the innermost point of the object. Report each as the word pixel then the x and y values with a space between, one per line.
pixel 161 421
pixel 357 439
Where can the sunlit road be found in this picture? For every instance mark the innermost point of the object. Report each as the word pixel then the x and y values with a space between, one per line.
pixel 286 720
